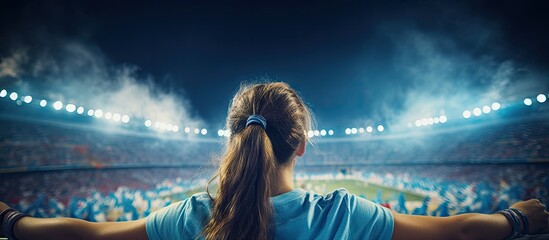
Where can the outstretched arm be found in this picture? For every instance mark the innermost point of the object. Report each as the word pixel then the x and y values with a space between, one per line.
pixel 468 226
pixel 71 228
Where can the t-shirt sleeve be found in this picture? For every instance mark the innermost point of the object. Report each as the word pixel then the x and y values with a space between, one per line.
pixel 370 220
pixel 166 222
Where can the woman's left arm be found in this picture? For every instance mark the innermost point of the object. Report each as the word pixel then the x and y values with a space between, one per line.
pixel 72 228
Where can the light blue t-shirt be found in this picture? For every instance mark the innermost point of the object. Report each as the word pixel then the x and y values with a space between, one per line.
pixel 298 215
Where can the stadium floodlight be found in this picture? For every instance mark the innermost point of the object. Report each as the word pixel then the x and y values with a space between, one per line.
pixel 431 121
pixel 148 123
pixel 330 132
pixel 380 128
pixel 541 98
pixel 27 99
pixel 527 101
pixel 169 127
pixel 443 119
pixel 70 107
pixel 3 93
pixel 98 113
pixel 322 132
pixel 436 120
pixel 126 119
pixel 116 117
pixel 14 96
pixel 486 109
pixel 175 128
pixel 57 105
pixel 347 131
pixel 424 122
pixel 369 129
pixel 354 130
pixel 361 130
pixel 80 110
pixel 108 115
pixel 90 112
pixel 466 114
pixel 187 129
pixel 418 123
pixel 196 131
pixel 204 131
pixel 43 103
pixel 220 132
pixel 496 106
pixel 310 133
pixel 227 133
pixel 317 133
pixel 477 111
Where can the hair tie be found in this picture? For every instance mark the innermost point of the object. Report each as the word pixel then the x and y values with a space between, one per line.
pixel 257 119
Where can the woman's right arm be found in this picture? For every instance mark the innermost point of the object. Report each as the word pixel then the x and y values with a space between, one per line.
pixel 468 226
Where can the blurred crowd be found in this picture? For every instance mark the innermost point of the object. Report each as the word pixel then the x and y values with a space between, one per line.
pixel 126 177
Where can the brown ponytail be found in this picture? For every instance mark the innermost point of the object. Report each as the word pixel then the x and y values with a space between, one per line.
pixel 241 207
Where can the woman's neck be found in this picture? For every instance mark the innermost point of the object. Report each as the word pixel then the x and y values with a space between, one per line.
pixel 284 181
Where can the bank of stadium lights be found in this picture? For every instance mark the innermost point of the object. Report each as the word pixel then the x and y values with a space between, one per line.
pixel 477 111
pixel 368 129
pixel 319 133
pixel 223 133
pixel 541 98
pixel 429 121
pixel 3 93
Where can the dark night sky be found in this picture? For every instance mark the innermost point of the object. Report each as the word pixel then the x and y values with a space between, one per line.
pixel 351 62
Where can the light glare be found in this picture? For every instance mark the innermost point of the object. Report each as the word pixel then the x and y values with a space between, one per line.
pixel 527 101
pixel 70 107
pixel 125 119
pixel 486 109
pixel 541 98
pixel 57 105
pixel 380 128
pixel 14 96
pixel 466 114
pixel 477 111
pixel 98 113
pixel 443 119
pixel 27 99
pixel 496 106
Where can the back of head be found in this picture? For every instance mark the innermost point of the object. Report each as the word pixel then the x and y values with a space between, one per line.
pixel 241 207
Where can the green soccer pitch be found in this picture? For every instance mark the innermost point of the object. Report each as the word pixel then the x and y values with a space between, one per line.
pixel 357 187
